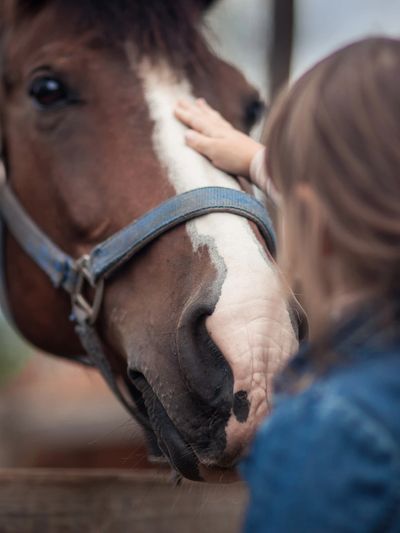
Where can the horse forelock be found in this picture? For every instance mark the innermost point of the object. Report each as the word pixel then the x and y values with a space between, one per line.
pixel 167 29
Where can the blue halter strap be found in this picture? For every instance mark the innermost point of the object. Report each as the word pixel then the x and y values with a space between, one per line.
pixel 112 253
pixel 74 275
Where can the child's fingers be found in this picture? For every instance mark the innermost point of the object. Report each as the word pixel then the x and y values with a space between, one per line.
pixel 195 120
pixel 201 108
pixel 202 104
pixel 186 111
pixel 188 118
pixel 200 143
pixel 201 117
pixel 214 116
pixel 211 112
pixel 184 103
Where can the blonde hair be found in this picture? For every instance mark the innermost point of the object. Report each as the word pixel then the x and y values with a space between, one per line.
pixel 336 132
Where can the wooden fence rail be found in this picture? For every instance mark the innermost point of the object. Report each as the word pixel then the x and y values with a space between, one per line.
pixel 99 501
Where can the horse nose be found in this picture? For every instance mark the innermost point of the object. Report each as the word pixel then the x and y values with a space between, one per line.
pixel 206 372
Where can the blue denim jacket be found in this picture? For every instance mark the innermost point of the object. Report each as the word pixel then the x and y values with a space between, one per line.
pixel 328 458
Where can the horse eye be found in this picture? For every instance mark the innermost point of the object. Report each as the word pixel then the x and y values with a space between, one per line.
pixel 48 92
pixel 254 112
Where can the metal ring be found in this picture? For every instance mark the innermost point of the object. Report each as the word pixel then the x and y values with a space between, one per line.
pixel 83 310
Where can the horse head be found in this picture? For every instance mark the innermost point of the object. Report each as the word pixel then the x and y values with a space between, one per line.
pixel 198 319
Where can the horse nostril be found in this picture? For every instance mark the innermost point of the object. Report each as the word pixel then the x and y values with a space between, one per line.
pixel 204 368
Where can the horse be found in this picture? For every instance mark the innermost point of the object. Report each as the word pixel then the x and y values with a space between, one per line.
pixel 197 323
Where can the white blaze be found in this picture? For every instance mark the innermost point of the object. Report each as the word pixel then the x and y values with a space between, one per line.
pixel 251 323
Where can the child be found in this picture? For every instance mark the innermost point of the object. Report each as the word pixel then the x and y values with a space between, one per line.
pixel 328 458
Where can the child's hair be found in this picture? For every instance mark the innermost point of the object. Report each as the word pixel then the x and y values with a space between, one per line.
pixel 337 132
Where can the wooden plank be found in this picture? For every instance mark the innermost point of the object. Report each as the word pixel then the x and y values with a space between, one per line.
pixel 84 501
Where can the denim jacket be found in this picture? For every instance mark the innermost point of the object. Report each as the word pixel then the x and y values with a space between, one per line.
pixel 328 458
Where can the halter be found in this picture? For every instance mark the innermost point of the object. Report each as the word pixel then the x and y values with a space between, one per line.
pixel 93 270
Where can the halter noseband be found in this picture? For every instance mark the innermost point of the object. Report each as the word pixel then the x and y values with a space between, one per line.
pixel 92 270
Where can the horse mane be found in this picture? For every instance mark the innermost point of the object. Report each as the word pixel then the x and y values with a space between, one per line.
pixel 170 29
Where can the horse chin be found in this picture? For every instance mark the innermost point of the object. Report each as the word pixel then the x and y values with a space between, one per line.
pixel 179 453
pixel 184 460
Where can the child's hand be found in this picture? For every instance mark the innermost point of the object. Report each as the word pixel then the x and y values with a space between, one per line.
pixel 212 136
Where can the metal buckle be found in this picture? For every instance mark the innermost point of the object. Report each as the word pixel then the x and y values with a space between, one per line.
pixel 83 310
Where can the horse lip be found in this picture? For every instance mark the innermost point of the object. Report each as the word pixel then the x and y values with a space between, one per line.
pixel 179 453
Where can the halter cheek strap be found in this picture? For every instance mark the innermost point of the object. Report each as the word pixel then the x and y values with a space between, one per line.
pixel 74 275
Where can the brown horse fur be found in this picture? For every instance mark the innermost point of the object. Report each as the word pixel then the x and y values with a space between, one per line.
pixel 87 170
pixel 167 28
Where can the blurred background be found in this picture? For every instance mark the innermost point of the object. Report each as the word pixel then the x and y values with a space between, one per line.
pixel 241 31
pixel 55 413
